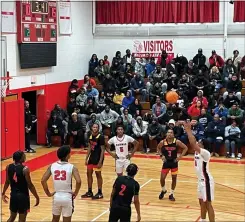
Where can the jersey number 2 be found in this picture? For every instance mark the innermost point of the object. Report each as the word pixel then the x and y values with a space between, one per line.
pixel 123 188
pixel 59 175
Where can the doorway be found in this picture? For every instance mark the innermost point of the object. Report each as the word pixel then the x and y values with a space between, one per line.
pixel 31 97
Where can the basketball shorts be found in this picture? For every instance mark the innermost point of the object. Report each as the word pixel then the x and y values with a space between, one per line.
pixel 170 165
pixel 94 167
pixel 19 203
pixel 205 190
pixel 121 164
pixel 93 162
pixel 120 213
pixel 63 205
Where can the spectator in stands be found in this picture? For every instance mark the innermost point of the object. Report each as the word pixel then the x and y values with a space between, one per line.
pixel 129 59
pixel 221 110
pixel 230 100
pixel 191 69
pixel 118 122
pixel 180 63
pixel 215 133
pixel 108 117
pixel 178 131
pixel 127 119
pixel 173 83
pixel 62 115
pixel 127 100
pixel 147 58
pixel 137 85
pixel 229 70
pixel 140 131
pixel 200 82
pixel 242 104
pixel 129 72
pixel 93 63
pixel 122 83
pixel 116 69
pixel 195 109
pixel 171 113
pixel 215 79
pixel 235 113
pixel 235 86
pixel 73 88
pixel 135 108
pixel 140 67
pixel 90 123
pixel 71 106
pixel 75 131
pixel 101 70
pixel 201 98
pixel 242 67
pixel 91 107
pixel 182 102
pixel 109 85
pixel 117 59
pixel 154 92
pixel 164 59
pixel 197 130
pixel 150 67
pixel 55 128
pixel 159 109
pixel 232 139
pixel 106 61
pixel 160 76
pixel 199 59
pixel 117 100
pixel 216 60
pixel 184 84
pixel 81 99
pixel 88 81
pixel 205 118
pixel 236 59
pixel 171 67
pixel 92 93
pixel 154 131
pixel 101 101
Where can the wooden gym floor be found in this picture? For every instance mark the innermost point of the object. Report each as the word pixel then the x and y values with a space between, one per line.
pixel 229 189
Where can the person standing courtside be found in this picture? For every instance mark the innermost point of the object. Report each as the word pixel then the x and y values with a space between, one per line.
pixel 168 149
pixel 124 189
pixel 18 177
pixel 28 126
pixel 62 172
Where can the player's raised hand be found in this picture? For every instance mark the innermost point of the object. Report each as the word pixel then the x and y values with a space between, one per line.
pixel 4 198
pixel 37 201
pixel 187 126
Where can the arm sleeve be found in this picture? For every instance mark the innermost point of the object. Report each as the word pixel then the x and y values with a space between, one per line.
pixel 205 155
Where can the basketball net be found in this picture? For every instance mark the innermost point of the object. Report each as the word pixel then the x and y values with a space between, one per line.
pixel 4 86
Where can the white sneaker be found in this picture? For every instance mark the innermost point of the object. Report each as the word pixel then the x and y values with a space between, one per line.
pixel 239 156
pixel 148 150
pixel 232 155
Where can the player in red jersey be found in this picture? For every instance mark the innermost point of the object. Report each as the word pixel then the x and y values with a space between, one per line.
pixel 168 149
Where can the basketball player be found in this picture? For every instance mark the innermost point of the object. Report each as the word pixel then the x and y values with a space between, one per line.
pixel 94 161
pixel 205 180
pixel 121 155
pixel 124 189
pixel 168 149
pixel 62 173
pixel 19 179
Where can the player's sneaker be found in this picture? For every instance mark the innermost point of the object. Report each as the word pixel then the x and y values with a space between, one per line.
pixel 171 197
pixel 239 156
pixel 97 196
pixel 87 195
pixel 161 195
pixel 228 155
pixel 233 155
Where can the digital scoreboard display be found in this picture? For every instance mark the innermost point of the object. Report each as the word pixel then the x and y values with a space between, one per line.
pixel 36 21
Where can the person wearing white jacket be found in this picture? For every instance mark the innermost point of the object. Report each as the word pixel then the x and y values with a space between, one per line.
pixel 140 131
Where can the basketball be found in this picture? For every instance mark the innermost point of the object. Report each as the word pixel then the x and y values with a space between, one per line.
pixel 172 97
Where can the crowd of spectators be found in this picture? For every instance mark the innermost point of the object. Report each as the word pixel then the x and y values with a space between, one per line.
pixel 126 83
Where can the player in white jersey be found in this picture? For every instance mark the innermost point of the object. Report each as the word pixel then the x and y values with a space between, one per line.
pixel 62 173
pixel 205 180
pixel 122 156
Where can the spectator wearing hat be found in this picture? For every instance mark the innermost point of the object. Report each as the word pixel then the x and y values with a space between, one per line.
pixel 234 85
pixel 232 139
pixel 180 63
pixel 200 59
pixel 178 131
pixel 216 60
pixel 215 133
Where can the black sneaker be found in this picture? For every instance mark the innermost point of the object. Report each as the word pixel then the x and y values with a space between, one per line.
pixel 171 197
pixel 49 145
pixel 32 151
pixel 87 195
pixel 162 194
pixel 98 196
pixel 228 155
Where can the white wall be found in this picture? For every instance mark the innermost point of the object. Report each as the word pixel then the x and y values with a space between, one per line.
pixel 72 53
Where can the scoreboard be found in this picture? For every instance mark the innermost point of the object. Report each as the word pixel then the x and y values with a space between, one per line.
pixel 36 21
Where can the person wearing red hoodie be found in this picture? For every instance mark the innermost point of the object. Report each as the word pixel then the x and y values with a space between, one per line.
pixel 88 81
pixel 201 98
pixel 195 109
pixel 216 60
pixel 163 60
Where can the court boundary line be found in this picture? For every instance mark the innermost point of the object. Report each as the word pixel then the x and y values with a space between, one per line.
pixel 106 211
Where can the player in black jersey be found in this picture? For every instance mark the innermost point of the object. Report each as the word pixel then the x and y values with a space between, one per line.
pixel 18 177
pixel 168 149
pixel 94 161
pixel 124 189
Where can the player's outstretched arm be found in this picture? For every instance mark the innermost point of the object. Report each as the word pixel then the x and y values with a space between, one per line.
pixel 44 183
pixel 6 185
pixel 78 180
pixel 31 187
pixel 183 147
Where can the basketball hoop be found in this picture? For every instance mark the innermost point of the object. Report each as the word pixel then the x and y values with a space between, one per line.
pixel 4 85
